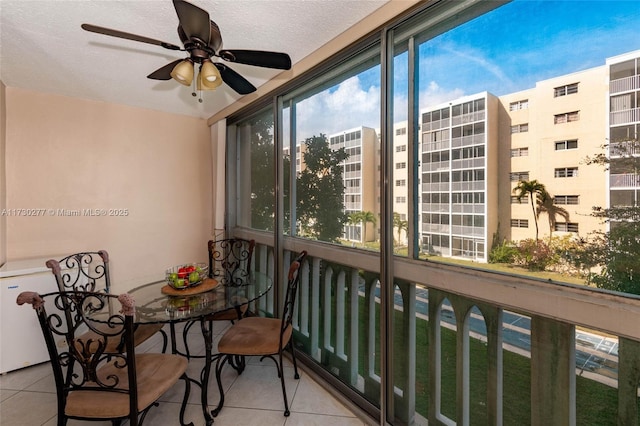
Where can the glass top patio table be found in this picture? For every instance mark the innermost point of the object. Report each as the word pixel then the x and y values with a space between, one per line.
pixel 153 306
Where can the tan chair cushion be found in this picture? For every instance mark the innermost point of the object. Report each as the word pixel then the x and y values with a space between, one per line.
pixel 155 373
pixel 254 336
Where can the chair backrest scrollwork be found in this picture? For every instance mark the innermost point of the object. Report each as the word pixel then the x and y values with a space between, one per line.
pixel 77 327
pixel 230 260
pixel 87 271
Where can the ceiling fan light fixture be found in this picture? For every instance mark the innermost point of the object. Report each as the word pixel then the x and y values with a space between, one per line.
pixel 183 72
pixel 209 78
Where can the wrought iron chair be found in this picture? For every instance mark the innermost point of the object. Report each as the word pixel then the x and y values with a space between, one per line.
pixel 264 337
pixel 89 271
pixel 91 383
pixel 229 264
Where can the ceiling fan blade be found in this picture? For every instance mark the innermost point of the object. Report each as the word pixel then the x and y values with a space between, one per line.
pixel 193 20
pixel 258 58
pixel 235 80
pixel 164 73
pixel 128 36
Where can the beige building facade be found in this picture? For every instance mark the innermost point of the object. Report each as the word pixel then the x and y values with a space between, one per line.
pixel 546 134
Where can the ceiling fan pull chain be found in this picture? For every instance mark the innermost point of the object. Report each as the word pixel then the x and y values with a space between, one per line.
pixel 198 86
pixel 193 93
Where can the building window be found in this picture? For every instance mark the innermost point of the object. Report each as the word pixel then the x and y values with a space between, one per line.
pixel 519 223
pixel 402 165
pixel 401 182
pixel 566 227
pixel 566 117
pixel 520 152
pixel 401 148
pixel 518 105
pixel 565 90
pixel 520 128
pixel 517 176
pixel 565 199
pixel 401 200
pixel 568 144
pixel 523 200
pixel 563 172
pixel 401 131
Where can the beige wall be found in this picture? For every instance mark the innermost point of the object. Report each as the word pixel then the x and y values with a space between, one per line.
pixel 71 154
pixel 590 131
pixel 3 179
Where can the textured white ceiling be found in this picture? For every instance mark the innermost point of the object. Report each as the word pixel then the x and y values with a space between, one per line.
pixel 43 48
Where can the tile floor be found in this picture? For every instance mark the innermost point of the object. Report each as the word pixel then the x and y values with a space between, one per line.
pixel 253 398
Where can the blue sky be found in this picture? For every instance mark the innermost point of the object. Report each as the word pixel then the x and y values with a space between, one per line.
pixel 503 51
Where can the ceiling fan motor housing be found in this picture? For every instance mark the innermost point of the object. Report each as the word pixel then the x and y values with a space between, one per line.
pixel 199 49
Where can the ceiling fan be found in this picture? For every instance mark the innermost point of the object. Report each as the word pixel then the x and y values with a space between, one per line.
pixel 201 38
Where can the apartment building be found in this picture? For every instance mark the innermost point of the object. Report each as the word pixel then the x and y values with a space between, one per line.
pixel 401 183
pixel 475 149
pixel 458 180
pixel 624 127
pixel 546 134
pixel 361 179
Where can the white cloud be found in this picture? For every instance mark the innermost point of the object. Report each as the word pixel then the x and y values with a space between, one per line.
pixel 343 107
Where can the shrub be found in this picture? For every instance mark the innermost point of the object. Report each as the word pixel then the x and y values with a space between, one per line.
pixel 535 255
pixel 504 252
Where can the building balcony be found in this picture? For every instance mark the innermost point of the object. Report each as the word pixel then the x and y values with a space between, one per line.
pixel 626 180
pixel 468 118
pixel 624 117
pixel 624 84
pixel 469 346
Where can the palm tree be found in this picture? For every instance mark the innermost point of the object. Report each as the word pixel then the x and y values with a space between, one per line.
pixel 399 224
pixel 367 217
pixel 533 189
pixel 354 218
pixel 546 204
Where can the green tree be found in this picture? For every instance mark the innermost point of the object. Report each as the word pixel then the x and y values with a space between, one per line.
pixel 533 189
pixel 320 191
pixel 366 218
pixel 547 204
pixel 263 197
pixel 617 250
pixel 400 225
pixel 354 218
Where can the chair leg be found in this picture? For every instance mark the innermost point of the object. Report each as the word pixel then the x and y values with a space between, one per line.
pixel 293 357
pixel 284 389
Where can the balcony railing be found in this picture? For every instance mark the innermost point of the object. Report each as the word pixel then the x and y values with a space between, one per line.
pixel 467 118
pixel 626 180
pixel 624 84
pixel 458 333
pixel 624 117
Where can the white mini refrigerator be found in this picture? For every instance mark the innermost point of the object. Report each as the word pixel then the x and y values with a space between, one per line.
pixel 21 341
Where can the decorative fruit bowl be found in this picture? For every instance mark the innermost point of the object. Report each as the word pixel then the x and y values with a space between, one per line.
pixel 188 275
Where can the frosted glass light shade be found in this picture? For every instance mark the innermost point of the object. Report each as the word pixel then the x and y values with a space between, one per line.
pixel 209 78
pixel 183 72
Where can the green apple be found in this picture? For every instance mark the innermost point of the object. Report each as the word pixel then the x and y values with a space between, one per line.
pixel 179 282
pixel 194 277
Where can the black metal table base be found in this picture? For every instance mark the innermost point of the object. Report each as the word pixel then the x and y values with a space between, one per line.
pixel 203 383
